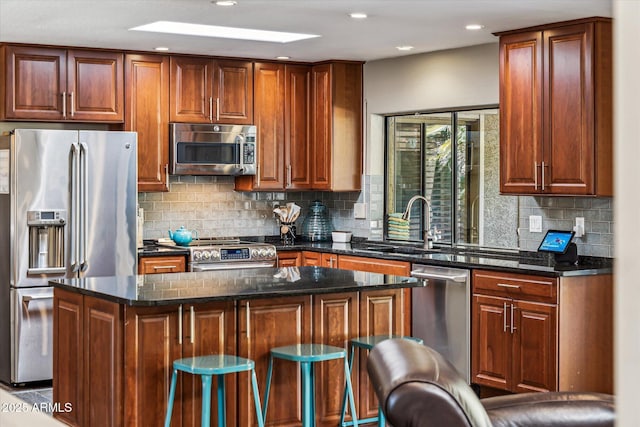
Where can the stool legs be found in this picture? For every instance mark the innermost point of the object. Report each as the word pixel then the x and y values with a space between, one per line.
pixel 256 398
pixel 172 395
pixel 206 401
pixel 349 386
pixel 343 408
pixel 265 403
pixel 308 402
pixel 222 409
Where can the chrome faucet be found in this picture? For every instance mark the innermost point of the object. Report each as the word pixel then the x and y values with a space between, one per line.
pixel 426 233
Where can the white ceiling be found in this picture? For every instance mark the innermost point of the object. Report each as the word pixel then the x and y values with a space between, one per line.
pixel 428 25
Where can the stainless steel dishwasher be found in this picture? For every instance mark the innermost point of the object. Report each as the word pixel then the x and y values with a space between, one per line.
pixel 441 313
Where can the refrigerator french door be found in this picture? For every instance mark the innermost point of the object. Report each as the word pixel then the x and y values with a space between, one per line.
pixel 68 209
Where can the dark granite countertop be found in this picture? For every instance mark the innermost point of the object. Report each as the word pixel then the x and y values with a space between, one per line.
pixel 460 257
pixel 150 249
pixel 181 288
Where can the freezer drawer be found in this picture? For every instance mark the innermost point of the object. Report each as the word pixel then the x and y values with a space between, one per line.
pixel 32 320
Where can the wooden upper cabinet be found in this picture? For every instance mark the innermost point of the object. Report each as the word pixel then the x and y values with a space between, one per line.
pixel 281 96
pixel 58 84
pixel 556 109
pixel 147 112
pixel 211 91
pixel 337 126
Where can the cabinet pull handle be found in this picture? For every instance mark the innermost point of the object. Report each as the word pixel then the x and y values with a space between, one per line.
pixel 164 267
pixel 535 175
pixel 210 109
pixel 504 317
pixel 288 175
pixel 217 109
pixel 64 104
pixel 512 327
pixel 542 168
pixel 193 325
pixel 180 324
pixel 248 321
pixel 258 175
pixel 506 285
pixel 73 109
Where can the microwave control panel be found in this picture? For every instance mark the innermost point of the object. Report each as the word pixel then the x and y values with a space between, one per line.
pixel 249 154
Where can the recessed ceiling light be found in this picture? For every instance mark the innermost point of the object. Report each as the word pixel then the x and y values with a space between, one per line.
pixel 222 32
pixel 474 27
pixel 358 15
pixel 225 3
pixel 283 57
pixel 404 47
pixel 162 48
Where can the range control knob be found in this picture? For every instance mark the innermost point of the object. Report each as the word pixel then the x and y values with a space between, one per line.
pixel 215 254
pixel 272 252
pixel 254 253
pixel 197 256
pixel 206 255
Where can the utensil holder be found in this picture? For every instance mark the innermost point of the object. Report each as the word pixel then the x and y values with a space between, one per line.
pixel 287 232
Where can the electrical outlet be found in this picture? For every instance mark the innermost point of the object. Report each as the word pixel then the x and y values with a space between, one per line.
pixel 360 210
pixel 535 224
pixel 579 227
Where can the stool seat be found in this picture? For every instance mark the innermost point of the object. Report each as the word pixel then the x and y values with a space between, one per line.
pixel 207 367
pixel 309 352
pixel 214 365
pixel 306 355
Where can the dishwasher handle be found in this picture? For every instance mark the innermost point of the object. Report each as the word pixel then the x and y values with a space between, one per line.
pixel 460 278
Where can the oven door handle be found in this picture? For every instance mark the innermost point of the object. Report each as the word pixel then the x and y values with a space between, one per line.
pixel 231 265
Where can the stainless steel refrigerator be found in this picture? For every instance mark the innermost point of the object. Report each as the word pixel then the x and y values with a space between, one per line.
pixel 67 209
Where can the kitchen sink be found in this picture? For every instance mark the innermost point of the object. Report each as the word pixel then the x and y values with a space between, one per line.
pixel 407 250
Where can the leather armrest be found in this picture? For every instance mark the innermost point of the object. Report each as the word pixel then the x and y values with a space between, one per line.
pixel 566 409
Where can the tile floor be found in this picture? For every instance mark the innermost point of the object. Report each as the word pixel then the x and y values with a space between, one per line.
pixel 37 394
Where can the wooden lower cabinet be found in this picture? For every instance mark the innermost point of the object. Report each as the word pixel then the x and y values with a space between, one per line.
pixel 154 338
pixel 263 325
pixel 162 264
pixel 534 333
pixel 289 259
pixel 375 265
pixel 319 259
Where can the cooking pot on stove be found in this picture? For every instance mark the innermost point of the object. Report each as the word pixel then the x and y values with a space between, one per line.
pixel 182 236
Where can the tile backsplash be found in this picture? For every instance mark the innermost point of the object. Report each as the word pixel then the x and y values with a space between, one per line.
pixel 212 207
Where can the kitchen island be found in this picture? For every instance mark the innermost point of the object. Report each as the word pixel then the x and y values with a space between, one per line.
pixel 115 339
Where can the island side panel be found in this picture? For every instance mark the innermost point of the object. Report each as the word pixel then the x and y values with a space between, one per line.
pixel 68 374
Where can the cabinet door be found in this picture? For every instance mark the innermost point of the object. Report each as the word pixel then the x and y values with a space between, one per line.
pixel 521 113
pixel 191 90
pixel 269 97
pixel 534 347
pixel 153 341
pixel 164 264
pixel 335 322
pixel 234 92
pixel 322 130
pixel 147 112
pixel 208 328
pixel 34 83
pixel 491 343
pixel 381 313
pixel 68 358
pixel 569 110
pixel 297 129
pixel 264 324
pixel 289 259
pixel 95 86
pixel 103 364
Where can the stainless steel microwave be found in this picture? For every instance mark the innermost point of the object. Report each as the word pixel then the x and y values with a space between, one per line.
pixel 209 149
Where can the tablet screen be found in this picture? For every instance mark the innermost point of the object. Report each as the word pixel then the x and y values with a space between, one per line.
pixel 556 241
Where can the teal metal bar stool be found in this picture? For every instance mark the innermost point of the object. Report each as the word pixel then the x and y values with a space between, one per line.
pixel 307 355
pixel 366 343
pixel 206 367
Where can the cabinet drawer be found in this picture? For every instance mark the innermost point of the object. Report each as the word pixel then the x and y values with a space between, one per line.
pixel 374 265
pixel 517 286
pixel 165 264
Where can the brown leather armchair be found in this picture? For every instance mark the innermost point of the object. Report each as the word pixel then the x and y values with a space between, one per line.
pixel 416 386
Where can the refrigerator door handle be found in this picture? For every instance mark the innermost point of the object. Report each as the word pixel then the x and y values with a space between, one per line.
pixel 84 212
pixel 75 207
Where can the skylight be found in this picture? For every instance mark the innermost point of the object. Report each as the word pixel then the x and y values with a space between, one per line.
pixel 222 32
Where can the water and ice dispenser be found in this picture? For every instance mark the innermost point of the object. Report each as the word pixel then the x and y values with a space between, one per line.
pixel 46 241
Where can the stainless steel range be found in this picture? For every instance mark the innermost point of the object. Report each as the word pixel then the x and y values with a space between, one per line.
pixel 220 254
